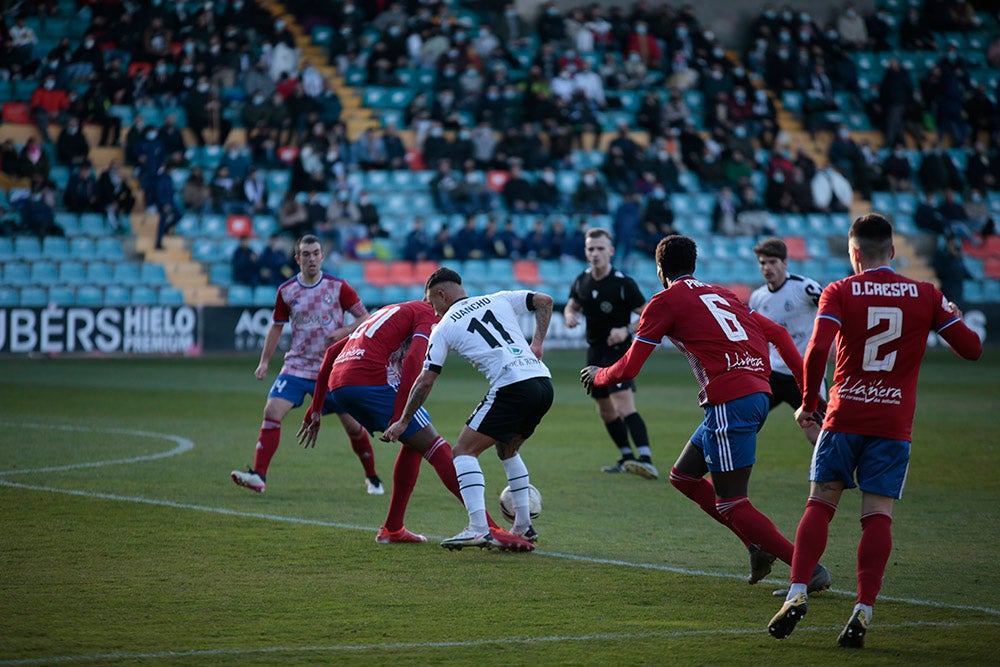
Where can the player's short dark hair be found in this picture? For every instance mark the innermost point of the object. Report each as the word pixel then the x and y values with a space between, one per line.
pixel 597 233
pixel 442 275
pixel 772 247
pixel 306 240
pixel 872 233
pixel 676 255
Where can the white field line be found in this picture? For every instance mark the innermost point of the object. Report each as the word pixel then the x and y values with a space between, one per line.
pixel 184 445
pixel 401 646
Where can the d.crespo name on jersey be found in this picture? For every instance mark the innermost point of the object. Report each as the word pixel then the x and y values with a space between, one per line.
pixel 865 288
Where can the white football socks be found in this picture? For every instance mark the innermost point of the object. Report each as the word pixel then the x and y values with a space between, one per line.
pixel 472 485
pixel 517 478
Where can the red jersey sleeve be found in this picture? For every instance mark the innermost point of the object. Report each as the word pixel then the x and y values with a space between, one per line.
pixel 782 340
pixel 323 378
pixel 654 323
pixel 281 313
pixel 954 331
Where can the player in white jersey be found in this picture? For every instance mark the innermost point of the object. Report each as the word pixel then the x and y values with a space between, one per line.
pixel 485 330
pixel 790 301
pixel 314 303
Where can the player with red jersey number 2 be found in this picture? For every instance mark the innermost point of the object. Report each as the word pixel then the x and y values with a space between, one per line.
pixel 882 319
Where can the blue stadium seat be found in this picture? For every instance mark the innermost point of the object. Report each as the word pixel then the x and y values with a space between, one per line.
pixel 27 247
pixel 278 180
pixel 81 247
pixel 153 274
pixel 72 273
pixel 94 224
pixel 16 274
pixel 44 273
pixel 89 295
pixel 220 274
pixel 61 295
pixel 34 297
pixel 321 35
pixel 55 248
pixel 117 295
pixel 240 295
pixel 213 225
pixel 170 296
pixel 68 222
pixel 100 273
pixel 9 297
pixel 143 295
pixel 109 248
pixel 265 225
pixel 126 273
pixel 6 248
pixel 188 225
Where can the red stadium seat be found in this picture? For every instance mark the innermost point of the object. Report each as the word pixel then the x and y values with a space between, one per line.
pixel 423 270
pixel 377 273
pixel 796 247
pixel 139 66
pixel 239 226
pixel 740 290
pixel 16 112
pixel 401 273
pixel 526 272
pixel 496 179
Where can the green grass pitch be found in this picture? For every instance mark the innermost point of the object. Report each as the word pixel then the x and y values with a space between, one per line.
pixel 124 541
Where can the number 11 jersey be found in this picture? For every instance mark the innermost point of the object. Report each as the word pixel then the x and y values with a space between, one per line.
pixel 486 332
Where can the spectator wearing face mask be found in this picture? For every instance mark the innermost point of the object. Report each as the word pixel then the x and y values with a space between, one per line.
pixel 590 195
pixel 641 42
pixel 204 112
pixel 48 104
pixel 71 146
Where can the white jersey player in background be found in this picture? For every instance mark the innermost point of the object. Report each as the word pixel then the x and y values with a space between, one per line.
pixel 485 330
pixel 791 301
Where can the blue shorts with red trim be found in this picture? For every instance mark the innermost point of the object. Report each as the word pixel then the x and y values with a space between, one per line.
pixel 728 436
pixel 295 389
pixel 879 464
pixel 372 406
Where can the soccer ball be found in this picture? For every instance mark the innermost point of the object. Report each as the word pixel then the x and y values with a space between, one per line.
pixel 507 503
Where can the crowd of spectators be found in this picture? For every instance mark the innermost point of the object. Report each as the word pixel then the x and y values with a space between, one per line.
pixel 508 94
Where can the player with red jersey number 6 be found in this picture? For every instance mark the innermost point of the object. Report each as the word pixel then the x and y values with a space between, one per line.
pixel 726 344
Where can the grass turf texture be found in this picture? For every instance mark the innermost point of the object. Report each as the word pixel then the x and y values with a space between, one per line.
pixel 167 562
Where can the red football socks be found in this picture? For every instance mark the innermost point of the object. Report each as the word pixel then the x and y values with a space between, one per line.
pixel 404 478
pixel 873 555
pixel 701 491
pixel 362 446
pixel 810 538
pixel 746 520
pixel 267 445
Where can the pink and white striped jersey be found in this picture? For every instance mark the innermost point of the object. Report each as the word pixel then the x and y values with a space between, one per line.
pixel 315 312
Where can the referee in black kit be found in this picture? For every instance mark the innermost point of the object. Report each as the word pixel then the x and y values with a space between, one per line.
pixel 607 298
